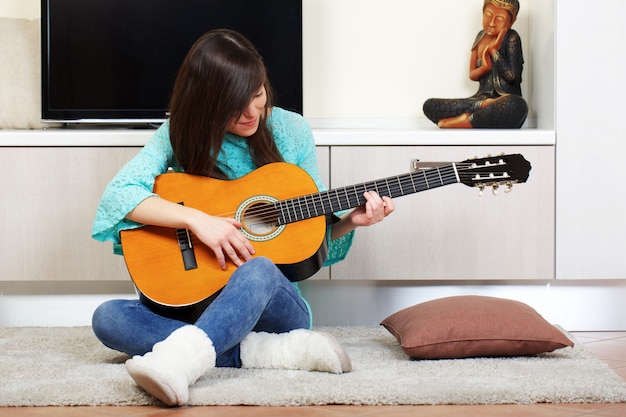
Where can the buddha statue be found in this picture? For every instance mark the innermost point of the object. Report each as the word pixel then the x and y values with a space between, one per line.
pixel 496 62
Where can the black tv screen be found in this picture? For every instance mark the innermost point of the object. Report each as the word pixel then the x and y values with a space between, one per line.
pixel 116 60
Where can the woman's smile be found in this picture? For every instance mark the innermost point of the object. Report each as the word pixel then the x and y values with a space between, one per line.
pixel 250 123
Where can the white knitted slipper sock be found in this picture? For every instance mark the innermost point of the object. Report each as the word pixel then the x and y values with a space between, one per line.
pixel 298 349
pixel 174 364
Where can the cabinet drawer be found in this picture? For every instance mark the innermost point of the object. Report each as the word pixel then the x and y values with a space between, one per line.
pixel 451 232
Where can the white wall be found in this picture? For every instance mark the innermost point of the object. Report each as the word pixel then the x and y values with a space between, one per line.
pixel 581 306
pixel 28 9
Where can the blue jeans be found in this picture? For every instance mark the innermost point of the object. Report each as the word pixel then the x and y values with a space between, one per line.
pixel 257 297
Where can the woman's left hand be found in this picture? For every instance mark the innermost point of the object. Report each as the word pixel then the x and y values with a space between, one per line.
pixel 373 211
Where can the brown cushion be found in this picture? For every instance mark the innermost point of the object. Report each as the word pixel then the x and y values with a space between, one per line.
pixel 472 326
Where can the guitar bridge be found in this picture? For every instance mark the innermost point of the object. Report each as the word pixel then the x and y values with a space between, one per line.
pixel 186 247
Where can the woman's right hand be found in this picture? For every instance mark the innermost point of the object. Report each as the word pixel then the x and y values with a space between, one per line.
pixel 223 237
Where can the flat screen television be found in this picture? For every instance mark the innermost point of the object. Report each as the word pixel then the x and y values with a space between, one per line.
pixel 115 61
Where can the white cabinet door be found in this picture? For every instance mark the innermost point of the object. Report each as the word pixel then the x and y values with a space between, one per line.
pixel 50 195
pixel 49 201
pixel 451 232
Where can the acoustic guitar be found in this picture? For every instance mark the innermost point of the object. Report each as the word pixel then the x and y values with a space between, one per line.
pixel 282 213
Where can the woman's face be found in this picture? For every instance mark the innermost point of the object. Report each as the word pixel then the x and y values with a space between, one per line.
pixel 248 122
pixel 495 19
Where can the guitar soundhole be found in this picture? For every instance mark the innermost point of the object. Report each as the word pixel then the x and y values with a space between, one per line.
pixel 259 220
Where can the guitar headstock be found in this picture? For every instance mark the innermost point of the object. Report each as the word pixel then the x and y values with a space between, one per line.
pixel 494 171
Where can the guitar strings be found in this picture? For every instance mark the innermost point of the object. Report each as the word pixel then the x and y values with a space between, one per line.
pixel 352 195
pixel 305 207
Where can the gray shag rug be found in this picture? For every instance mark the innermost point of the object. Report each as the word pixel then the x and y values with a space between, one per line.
pixel 55 366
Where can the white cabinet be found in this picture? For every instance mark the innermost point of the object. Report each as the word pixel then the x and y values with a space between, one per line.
pixel 50 195
pixel 451 233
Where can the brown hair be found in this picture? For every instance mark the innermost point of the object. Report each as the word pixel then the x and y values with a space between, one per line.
pixel 218 78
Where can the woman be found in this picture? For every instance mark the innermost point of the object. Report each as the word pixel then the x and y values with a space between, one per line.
pixel 222 125
pixel 496 63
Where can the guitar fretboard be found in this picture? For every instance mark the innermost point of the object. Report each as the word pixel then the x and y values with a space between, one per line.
pixel 339 199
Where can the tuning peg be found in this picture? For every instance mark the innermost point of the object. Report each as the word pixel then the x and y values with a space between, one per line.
pixel 481 189
pixel 494 188
pixel 509 187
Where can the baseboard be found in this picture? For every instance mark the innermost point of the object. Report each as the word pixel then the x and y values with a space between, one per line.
pixel 575 305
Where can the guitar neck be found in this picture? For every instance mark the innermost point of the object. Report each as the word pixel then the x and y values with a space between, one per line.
pixel 345 198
